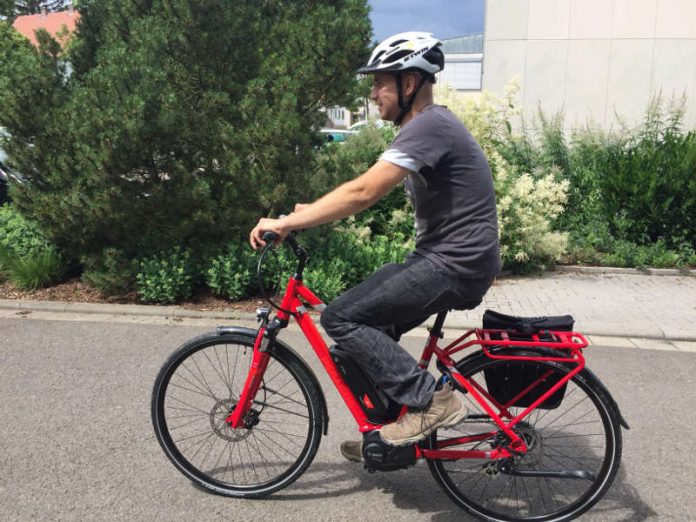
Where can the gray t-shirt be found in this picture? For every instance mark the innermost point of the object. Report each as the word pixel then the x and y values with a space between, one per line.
pixel 452 192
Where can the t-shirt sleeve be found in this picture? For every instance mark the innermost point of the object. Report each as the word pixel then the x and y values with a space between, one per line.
pixel 425 139
pixel 402 160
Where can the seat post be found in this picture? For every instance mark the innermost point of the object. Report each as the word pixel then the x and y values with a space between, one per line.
pixel 439 322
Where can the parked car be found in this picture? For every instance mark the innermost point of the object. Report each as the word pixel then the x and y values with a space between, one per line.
pixel 358 125
pixel 336 135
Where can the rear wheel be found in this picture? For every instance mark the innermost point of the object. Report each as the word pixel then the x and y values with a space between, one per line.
pixel 196 390
pixel 574 447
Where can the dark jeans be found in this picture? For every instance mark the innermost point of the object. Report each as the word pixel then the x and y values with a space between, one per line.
pixel 368 320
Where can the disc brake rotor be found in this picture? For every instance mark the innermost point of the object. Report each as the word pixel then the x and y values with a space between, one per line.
pixel 218 415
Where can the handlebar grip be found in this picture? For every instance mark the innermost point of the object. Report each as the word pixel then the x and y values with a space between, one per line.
pixel 270 237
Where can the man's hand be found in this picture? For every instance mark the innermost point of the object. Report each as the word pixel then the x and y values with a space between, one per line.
pixel 265 225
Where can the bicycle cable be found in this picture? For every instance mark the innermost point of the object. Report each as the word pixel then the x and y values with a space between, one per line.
pixel 262 288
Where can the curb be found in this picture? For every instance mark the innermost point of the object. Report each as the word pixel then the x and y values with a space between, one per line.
pixel 598 270
pixel 184 313
pixel 120 309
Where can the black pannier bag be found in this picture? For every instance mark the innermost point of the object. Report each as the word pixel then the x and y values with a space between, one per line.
pixel 505 382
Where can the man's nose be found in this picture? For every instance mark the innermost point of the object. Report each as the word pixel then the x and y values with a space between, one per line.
pixel 373 94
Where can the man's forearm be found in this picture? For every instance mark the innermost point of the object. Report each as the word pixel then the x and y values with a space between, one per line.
pixel 344 201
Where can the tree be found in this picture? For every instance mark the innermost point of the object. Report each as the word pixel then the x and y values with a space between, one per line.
pixel 182 121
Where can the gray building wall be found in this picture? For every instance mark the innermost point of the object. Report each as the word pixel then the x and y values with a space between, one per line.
pixel 595 59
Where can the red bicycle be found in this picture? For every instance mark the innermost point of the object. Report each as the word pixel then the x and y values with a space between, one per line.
pixel 240 413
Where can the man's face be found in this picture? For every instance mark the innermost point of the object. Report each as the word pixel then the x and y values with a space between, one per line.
pixel 385 96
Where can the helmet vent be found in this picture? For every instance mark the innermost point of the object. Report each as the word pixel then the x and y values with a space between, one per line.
pixel 398 42
pixel 379 55
pixel 397 56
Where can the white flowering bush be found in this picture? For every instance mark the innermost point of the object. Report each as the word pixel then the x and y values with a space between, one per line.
pixel 528 202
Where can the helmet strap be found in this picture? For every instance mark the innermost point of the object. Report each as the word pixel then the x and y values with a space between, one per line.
pixel 406 107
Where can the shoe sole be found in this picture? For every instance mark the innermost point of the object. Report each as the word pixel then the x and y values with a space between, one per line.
pixel 452 420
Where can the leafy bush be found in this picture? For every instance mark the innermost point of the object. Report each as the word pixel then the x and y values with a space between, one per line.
pixel 167 278
pixel 27 259
pixel 231 274
pixel 33 270
pixel 526 210
pixel 326 279
pixel 594 245
pixel 346 255
pixel 631 195
pixel 19 235
pixel 112 273
pixel 648 187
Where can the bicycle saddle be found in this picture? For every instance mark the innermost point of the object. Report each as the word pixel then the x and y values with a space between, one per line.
pixel 497 321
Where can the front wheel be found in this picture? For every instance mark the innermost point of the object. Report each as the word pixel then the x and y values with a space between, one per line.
pixel 199 386
pixel 573 441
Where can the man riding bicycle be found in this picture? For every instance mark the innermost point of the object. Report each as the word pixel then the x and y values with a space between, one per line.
pixel 456 257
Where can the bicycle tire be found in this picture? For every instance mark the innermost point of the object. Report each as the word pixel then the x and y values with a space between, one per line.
pixel 196 389
pixel 581 434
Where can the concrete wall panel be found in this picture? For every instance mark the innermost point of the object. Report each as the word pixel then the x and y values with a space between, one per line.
pixel 545 76
pixel 634 19
pixel 510 19
pixel 586 82
pixel 548 19
pixel 674 69
pixel 628 89
pixel 502 61
pixel 591 18
pixel 676 19
pixel 593 58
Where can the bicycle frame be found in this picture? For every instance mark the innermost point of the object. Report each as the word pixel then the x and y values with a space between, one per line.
pixel 293 304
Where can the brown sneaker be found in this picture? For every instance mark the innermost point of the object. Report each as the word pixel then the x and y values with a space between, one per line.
pixel 352 450
pixel 446 409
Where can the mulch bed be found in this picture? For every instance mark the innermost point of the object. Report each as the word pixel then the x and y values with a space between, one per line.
pixel 75 290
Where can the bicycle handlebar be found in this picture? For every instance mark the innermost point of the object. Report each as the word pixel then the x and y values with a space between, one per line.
pixel 270 238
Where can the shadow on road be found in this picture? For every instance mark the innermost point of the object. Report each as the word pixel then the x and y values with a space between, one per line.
pixel 415 490
pixel 623 502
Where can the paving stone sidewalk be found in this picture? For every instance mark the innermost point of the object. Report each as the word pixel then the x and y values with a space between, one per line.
pixel 607 304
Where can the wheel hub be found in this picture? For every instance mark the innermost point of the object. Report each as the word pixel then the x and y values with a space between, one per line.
pixel 218 421
pixel 534 442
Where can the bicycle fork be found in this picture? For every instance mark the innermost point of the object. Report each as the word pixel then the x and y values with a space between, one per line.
pixel 239 417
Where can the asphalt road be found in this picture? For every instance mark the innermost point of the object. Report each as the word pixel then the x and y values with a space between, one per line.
pixel 77 443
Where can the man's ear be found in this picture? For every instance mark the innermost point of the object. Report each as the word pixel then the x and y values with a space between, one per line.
pixel 410 81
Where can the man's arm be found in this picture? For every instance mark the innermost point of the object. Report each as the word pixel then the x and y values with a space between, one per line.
pixel 350 198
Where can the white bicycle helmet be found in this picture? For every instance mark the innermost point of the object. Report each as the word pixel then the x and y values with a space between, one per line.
pixel 405 52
